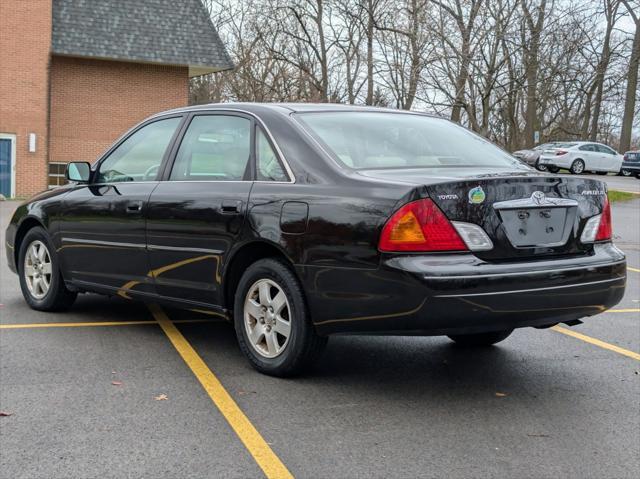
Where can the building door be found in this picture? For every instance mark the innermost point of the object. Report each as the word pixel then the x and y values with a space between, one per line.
pixel 7 155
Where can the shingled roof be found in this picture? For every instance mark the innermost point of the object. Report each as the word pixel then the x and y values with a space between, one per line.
pixel 147 31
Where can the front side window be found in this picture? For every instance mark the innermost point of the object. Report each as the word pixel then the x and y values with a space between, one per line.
pixel 139 157
pixel 269 167
pixel 214 148
pixel 369 140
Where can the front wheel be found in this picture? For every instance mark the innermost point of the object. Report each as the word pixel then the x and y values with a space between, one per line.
pixel 624 172
pixel 481 339
pixel 272 322
pixel 41 282
pixel 577 167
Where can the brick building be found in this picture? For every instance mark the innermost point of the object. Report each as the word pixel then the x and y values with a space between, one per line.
pixel 75 74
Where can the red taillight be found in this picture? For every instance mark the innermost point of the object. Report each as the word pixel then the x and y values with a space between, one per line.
pixel 604 229
pixel 420 226
pixel 561 152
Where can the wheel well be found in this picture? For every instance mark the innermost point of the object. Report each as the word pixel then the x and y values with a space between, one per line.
pixel 26 225
pixel 245 257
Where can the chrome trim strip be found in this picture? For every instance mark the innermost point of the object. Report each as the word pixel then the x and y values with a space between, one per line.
pixel 103 243
pixel 523 273
pixel 154 247
pixel 493 293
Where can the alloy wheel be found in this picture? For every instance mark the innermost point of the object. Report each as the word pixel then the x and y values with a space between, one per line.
pixel 267 318
pixel 577 167
pixel 37 269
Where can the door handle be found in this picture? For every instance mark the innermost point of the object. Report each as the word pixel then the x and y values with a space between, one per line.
pixel 134 207
pixel 231 207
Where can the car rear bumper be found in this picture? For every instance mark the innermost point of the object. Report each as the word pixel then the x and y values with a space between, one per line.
pixel 563 161
pixel 446 294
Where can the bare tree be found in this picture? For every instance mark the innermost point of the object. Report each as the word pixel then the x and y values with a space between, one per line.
pixel 632 79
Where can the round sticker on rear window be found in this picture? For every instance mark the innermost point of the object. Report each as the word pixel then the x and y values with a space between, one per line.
pixel 476 195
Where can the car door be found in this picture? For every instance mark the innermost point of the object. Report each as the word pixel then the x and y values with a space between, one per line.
pixel 590 156
pixel 608 159
pixel 196 215
pixel 103 237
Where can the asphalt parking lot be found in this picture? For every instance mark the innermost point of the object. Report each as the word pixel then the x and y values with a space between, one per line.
pixel 115 389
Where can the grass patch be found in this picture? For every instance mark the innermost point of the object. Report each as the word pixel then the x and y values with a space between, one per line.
pixel 615 195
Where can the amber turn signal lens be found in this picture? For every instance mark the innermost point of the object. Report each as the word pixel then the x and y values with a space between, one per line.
pixel 407 230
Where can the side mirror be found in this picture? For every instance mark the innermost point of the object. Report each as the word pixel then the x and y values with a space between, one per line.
pixel 78 171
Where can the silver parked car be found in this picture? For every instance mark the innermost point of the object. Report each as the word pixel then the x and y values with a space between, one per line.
pixel 532 156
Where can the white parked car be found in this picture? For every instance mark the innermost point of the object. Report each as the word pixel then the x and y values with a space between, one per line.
pixel 581 156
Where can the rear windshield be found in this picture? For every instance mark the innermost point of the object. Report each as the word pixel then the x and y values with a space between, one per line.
pixel 633 156
pixel 371 140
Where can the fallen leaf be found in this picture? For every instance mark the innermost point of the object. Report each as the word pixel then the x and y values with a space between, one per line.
pixel 500 395
pixel 162 397
pixel 116 383
pixel 5 414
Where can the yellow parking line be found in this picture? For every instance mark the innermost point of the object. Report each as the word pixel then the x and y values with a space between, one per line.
pixel 635 270
pixel 88 324
pixel 597 342
pixel 627 310
pixel 270 464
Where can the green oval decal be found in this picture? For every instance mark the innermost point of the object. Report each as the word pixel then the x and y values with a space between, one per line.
pixel 476 195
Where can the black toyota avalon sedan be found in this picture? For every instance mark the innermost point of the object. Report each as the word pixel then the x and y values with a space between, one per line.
pixel 297 222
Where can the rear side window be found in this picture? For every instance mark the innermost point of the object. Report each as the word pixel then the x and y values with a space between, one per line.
pixel 268 166
pixel 605 149
pixel 214 148
pixel 587 148
pixel 369 140
pixel 138 158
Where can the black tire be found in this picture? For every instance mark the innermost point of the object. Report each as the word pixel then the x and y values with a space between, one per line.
pixel 304 345
pixel 553 169
pixel 577 167
pixel 624 172
pixel 481 339
pixel 57 297
pixel 540 167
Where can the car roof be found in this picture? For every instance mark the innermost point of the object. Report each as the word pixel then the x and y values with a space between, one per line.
pixel 286 108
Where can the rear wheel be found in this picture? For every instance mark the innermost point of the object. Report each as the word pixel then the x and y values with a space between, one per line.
pixel 481 339
pixel 41 282
pixel 624 172
pixel 540 167
pixel 577 167
pixel 272 322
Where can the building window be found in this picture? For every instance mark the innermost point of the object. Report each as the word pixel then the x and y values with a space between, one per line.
pixel 56 174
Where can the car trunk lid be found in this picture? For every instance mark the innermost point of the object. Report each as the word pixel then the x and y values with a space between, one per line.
pixel 524 214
